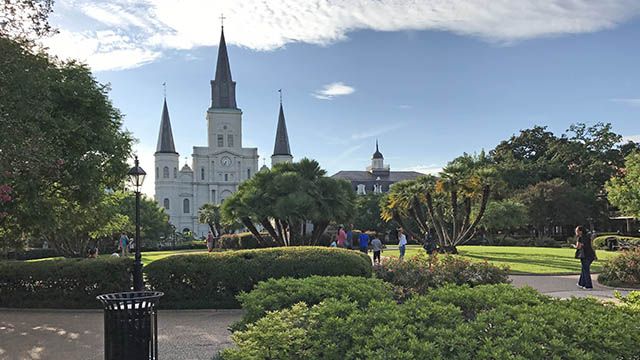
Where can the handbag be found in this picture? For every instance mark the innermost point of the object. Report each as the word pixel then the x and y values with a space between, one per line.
pixel 579 254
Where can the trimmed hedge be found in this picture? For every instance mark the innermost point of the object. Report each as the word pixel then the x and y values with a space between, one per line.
pixel 421 273
pixel 622 270
pixel 278 294
pixel 214 280
pixel 32 254
pixel 245 241
pixel 454 322
pixel 62 283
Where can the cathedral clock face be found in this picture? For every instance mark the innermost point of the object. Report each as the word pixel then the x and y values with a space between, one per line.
pixel 226 161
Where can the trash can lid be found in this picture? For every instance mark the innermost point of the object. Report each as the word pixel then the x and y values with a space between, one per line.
pixel 130 296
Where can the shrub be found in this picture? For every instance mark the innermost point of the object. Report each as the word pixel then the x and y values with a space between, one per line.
pixel 632 300
pixel 32 254
pixel 601 241
pixel 277 294
pixel 213 280
pixel 418 274
pixel 244 241
pixel 62 283
pixel 622 270
pixel 516 324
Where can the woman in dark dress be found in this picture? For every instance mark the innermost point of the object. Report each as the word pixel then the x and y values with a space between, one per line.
pixel 586 254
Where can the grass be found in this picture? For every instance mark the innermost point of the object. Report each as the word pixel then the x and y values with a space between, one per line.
pixel 147 256
pixel 523 260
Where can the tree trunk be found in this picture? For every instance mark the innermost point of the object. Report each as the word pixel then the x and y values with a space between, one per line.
pixel 267 225
pixel 254 231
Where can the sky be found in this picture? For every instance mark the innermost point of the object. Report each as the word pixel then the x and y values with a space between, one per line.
pixel 429 79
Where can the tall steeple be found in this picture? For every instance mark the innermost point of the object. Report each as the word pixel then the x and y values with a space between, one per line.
pixel 281 149
pixel 165 137
pixel 223 88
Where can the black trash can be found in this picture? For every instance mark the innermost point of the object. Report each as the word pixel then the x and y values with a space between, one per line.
pixel 131 325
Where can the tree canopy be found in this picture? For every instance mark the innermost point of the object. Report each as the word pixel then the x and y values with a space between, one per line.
pixel 285 199
pixel 623 189
pixel 62 147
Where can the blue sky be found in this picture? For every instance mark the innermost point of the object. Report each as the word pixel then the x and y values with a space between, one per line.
pixel 429 90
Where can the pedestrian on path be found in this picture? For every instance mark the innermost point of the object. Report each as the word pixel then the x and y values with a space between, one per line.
pixel 363 240
pixel 349 240
pixel 586 254
pixel 341 237
pixel 210 241
pixel 123 242
pixel 402 243
pixel 376 246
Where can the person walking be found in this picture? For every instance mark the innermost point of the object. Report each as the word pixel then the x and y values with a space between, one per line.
pixel 349 241
pixel 341 237
pixel 363 241
pixel 586 254
pixel 210 240
pixel 402 243
pixel 376 246
pixel 123 243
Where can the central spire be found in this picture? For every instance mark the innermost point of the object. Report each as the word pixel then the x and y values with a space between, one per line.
pixel 223 88
pixel 165 137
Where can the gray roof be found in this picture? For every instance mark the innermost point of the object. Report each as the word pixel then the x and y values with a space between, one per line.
pixel 281 146
pixel 165 137
pixel 377 154
pixel 393 176
pixel 223 88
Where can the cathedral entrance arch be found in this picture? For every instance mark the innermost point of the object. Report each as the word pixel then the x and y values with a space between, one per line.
pixel 224 195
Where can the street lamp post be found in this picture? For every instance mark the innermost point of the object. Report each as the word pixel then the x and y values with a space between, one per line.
pixel 136 177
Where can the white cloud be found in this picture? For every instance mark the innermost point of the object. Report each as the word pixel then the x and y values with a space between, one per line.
pixel 634 138
pixel 154 26
pixel 432 169
pixel 627 101
pixel 332 90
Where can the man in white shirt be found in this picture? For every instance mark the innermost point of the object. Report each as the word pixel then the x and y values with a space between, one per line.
pixel 402 243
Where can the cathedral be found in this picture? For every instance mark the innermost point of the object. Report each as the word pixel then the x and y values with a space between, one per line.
pixel 217 169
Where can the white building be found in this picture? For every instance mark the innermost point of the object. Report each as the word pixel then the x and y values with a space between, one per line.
pixel 216 169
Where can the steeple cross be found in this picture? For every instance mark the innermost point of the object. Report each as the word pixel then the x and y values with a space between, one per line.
pixel 280 91
pixel 164 88
pixel 222 20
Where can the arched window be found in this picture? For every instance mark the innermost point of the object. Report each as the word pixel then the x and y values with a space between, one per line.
pixel 361 189
pixel 166 204
pixel 157 172
pixel 175 173
pixel 202 174
pixel 185 206
pixel 226 177
pixel 165 172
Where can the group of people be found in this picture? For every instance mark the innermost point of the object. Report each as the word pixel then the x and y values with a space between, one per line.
pixel 367 240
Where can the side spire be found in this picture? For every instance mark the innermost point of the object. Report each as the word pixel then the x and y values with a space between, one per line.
pixel 165 137
pixel 223 88
pixel 281 146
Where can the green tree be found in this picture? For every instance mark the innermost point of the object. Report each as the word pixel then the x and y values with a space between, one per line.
pixel 556 203
pixel 505 216
pixel 367 214
pixel 25 19
pixel 62 147
pixel 210 214
pixel 623 190
pixel 285 199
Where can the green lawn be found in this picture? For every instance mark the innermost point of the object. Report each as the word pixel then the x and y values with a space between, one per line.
pixel 148 256
pixel 522 260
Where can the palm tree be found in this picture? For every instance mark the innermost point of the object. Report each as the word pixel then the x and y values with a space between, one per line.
pixel 210 214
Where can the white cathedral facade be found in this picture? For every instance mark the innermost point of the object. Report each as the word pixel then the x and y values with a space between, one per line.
pixel 217 169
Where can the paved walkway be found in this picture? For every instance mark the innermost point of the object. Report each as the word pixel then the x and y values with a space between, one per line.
pixel 565 286
pixel 78 334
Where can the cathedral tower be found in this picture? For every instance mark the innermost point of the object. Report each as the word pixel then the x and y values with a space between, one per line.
pixel 224 117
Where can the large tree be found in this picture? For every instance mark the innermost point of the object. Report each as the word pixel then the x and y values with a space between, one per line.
pixel 504 216
pixel 62 147
pixel 284 200
pixel 447 203
pixel 25 19
pixel 623 189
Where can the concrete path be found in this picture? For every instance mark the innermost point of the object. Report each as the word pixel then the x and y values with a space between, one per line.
pixel 78 334
pixel 565 286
